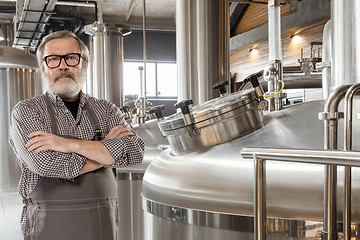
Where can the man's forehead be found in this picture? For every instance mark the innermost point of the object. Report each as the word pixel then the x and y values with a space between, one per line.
pixel 62 46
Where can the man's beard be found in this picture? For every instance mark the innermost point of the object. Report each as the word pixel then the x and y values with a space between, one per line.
pixel 68 92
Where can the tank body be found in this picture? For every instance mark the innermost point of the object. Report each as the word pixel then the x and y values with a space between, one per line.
pixel 208 193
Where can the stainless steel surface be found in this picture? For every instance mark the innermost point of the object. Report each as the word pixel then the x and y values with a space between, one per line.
pixel 145 60
pixel 214 122
pixel 16 84
pixel 275 56
pixel 186 47
pixel 348 118
pixel 325 66
pixel 203 41
pixel 274 31
pixel 346 31
pixel 259 199
pixel 107 60
pixel 330 142
pixel 219 180
pixel 324 157
pixel 16 58
pixel 129 183
pixel 273 73
pixel 330 230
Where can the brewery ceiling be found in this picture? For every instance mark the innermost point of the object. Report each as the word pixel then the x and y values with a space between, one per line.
pixel 38 17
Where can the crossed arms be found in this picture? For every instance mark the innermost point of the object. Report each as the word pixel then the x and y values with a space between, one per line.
pixel 95 152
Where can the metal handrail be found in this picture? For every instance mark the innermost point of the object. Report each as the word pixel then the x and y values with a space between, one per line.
pixel 260 155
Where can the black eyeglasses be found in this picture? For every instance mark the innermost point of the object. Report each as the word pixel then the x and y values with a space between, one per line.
pixel 71 59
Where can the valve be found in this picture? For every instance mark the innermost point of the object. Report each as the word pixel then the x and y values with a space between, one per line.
pixel 253 79
pixel 221 87
pixel 127 115
pixel 187 117
pixel 158 111
pixel 125 109
pixel 184 106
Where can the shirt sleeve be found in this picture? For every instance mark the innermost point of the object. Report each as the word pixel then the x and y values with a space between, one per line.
pixel 128 150
pixel 26 119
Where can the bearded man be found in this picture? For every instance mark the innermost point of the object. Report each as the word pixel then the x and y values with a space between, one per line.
pixel 67 144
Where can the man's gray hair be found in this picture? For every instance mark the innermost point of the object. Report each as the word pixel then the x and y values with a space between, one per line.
pixel 84 51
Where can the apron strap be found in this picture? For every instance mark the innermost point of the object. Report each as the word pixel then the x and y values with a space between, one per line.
pixel 94 121
pixel 54 128
pixel 92 116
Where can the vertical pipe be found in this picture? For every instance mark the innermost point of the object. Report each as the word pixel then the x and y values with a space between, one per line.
pixel 186 48
pixel 347 204
pixel 330 203
pixel 213 42
pixel 330 142
pixel 348 146
pixel 326 60
pixel 259 199
pixel 346 31
pixel 145 56
pixel 275 54
pixel 202 43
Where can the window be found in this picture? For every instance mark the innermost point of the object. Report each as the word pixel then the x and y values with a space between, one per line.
pixel 161 79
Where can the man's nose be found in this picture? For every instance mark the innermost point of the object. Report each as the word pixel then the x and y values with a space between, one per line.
pixel 63 65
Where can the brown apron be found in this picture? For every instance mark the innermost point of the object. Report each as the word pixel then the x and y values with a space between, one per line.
pixel 85 208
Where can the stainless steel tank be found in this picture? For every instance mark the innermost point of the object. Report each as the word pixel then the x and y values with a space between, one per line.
pixel 129 182
pixel 19 79
pixel 106 61
pixel 208 193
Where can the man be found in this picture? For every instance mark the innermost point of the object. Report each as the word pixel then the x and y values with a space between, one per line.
pixel 67 144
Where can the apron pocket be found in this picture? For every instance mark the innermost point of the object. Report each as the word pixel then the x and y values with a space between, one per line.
pixel 70 220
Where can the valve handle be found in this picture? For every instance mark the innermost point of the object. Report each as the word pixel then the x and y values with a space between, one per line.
pixel 125 108
pixel 158 111
pixel 184 106
pixel 253 79
pixel 221 87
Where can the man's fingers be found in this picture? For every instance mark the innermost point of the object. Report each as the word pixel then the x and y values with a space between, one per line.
pixel 119 131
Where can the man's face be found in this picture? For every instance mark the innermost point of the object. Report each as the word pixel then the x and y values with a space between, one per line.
pixel 64 81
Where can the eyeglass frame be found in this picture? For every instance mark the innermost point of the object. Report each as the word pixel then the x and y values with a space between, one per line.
pixel 62 57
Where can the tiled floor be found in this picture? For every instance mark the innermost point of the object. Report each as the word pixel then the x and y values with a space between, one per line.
pixel 10 210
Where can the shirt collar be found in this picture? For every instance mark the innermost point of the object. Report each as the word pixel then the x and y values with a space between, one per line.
pixel 57 100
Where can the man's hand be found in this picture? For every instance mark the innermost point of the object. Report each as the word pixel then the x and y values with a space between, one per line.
pixel 41 141
pixel 94 150
pixel 119 131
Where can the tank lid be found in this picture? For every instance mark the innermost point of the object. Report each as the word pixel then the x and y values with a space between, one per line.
pixel 122 30
pixel 210 110
pixel 15 58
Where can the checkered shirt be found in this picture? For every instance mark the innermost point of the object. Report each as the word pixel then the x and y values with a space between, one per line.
pixel 31 115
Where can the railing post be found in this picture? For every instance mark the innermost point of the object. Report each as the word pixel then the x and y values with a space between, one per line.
pixel 259 199
pixel 348 146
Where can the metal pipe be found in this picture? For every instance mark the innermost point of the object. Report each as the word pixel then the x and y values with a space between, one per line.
pixel 324 157
pixel 330 142
pixel 325 65
pixel 348 146
pixel 145 56
pixel 259 199
pixel 348 115
pixel 275 56
pixel 347 204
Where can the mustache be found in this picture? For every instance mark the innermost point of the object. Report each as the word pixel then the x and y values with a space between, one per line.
pixel 64 74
